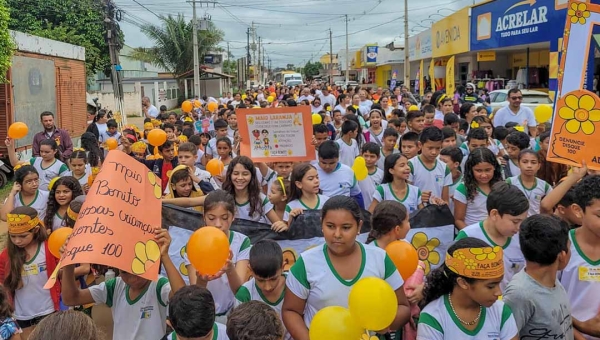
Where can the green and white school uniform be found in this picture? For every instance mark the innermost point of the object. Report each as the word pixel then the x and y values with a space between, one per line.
pixel 429 179
pixel 495 146
pixel 452 190
pixel 58 221
pixel 514 168
pixel 32 300
pixel 56 169
pixel 411 200
pixel 239 244
pixel 514 261
pixel 581 279
pixel 476 208
pixel 219 333
pixel 377 175
pixel 438 322
pixel 381 160
pixel 142 318
pixel 340 181
pixel 243 210
pixel 179 239
pixel 314 279
pixel 534 194
pixel 39 203
pixel 298 204
pixel 348 152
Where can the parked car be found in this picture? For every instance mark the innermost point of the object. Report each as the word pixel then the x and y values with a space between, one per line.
pixel 531 98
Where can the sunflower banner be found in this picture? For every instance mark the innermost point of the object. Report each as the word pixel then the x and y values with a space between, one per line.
pixel 576 117
pixel 432 232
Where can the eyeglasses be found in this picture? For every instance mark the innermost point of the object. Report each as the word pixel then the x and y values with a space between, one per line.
pixel 516 98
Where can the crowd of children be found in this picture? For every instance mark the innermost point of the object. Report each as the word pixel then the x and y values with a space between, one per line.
pixel 525 263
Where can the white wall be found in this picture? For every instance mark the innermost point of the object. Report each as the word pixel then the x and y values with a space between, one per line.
pixel 34 44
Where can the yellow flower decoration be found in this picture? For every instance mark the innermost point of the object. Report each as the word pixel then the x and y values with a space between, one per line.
pixel 154 182
pixel 267 153
pixel 470 264
pixel 146 255
pixel 578 13
pixel 579 114
pixel 459 255
pixel 289 152
pixel 183 269
pixel 520 128
pixel 426 250
pixel 250 120
pixel 485 253
pixel 474 125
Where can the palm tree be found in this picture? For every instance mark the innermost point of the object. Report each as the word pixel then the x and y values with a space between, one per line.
pixel 173 48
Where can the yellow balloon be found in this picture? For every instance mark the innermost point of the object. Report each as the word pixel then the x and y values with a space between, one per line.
pixel 360 161
pixel 244 96
pixel 270 99
pixel 316 119
pixel 334 323
pixel 360 172
pixel 373 303
pixel 543 113
pixel 413 108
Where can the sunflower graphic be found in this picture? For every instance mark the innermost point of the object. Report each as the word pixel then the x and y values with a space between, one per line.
pixel 155 182
pixel 487 253
pixel 426 250
pixel 146 255
pixel 578 13
pixel 250 120
pixel 580 113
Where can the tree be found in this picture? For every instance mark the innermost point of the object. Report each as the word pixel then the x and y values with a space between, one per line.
pixel 78 22
pixel 173 48
pixel 312 69
pixel 290 67
pixel 230 67
pixel 6 43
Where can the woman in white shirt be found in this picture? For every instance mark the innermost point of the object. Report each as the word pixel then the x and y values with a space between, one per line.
pixel 343 102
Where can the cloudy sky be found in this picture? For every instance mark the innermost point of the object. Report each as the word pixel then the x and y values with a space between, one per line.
pixel 296 31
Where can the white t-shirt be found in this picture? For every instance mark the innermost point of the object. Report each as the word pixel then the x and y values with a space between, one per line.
pixel 298 204
pixel 57 221
pixel 367 188
pixel 381 160
pixel 377 176
pixel 426 179
pixel 505 115
pixel 411 200
pixel 514 168
pixel 56 169
pixel 581 279
pixel 153 111
pixel 219 333
pixel 39 203
pixel 314 279
pixel 243 210
pixel 203 175
pixel 348 152
pixel 341 108
pixel 179 239
pixel 32 300
pixel 327 99
pixel 451 190
pixel 239 244
pixel 365 107
pixel 340 181
pixel 476 208
pixel 534 195
pixel 438 322
pixel 514 261
pixel 83 180
pixel 142 318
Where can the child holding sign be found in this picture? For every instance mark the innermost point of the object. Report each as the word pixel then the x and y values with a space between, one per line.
pixel 139 306
pixel 25 266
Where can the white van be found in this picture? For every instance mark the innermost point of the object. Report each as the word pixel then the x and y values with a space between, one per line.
pixel 291 76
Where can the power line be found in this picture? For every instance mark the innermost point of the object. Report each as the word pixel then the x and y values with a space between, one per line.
pixel 146 8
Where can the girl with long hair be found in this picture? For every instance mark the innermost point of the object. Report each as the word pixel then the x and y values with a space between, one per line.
pixel 25 192
pixel 62 192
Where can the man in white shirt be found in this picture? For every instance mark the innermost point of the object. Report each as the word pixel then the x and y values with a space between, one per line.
pixel 237 99
pixel 327 98
pixel 305 95
pixel 226 99
pixel 149 110
pixel 514 112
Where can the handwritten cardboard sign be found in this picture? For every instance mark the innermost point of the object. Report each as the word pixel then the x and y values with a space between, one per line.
pixel 116 223
pixel 576 119
pixel 276 134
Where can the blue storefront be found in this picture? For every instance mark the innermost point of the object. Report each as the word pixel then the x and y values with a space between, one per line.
pixel 525 35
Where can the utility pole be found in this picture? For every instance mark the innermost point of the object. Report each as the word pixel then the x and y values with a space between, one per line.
pixel 115 67
pixel 264 65
pixel 247 73
pixel 330 58
pixel 406 59
pixel 259 63
pixel 255 61
pixel 196 57
pixel 347 53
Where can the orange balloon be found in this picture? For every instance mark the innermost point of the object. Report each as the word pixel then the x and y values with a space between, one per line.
pixel 187 106
pixel 208 250
pixel 157 137
pixel 215 167
pixel 112 144
pixel 404 256
pixel 57 239
pixel 212 107
pixel 17 130
pixel 197 104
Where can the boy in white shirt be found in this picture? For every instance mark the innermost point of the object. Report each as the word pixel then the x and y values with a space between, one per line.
pixel 192 316
pixel 347 143
pixel 139 306
pixel 453 157
pixel 335 177
pixel 187 154
pixel 371 153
